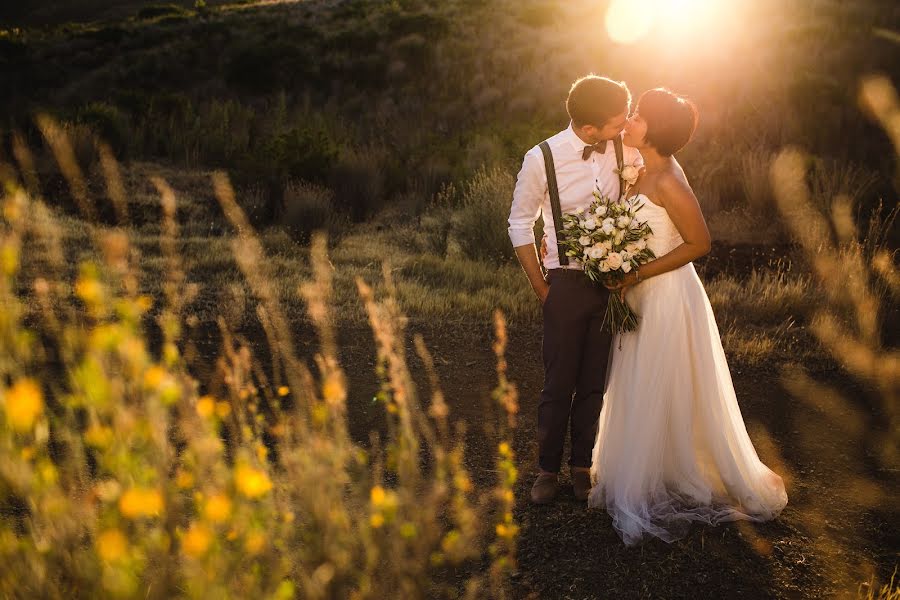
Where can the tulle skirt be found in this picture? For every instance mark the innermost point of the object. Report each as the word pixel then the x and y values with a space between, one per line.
pixel 672 447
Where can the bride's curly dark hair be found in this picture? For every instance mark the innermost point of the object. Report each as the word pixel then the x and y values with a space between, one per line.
pixel 671 119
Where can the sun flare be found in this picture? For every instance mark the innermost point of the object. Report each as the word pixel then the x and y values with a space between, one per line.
pixel 629 21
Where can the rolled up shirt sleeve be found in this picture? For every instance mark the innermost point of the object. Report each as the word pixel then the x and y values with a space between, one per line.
pixel 528 198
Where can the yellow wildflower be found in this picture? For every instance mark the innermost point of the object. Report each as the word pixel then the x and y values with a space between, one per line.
pixel 320 414
pixel 196 540
pixel 408 530
pixel 184 479
pixel 112 545
pixel 223 409
pixel 141 502
pixel 217 508
pixel 154 376
pixel 506 531
pixel 333 389
pixel 284 391
pixel 505 450
pixel 9 259
pixel 47 472
pixel 376 520
pixel 462 482
pixel 206 406
pixel 377 495
pixel 144 303
pixel 98 436
pixel 24 403
pixel 12 211
pixel 251 482
pixel 89 290
pixel 255 542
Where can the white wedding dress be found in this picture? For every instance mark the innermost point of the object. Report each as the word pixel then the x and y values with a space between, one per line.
pixel 671 445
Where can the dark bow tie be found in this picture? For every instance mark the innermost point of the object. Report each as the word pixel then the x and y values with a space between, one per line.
pixel 599 147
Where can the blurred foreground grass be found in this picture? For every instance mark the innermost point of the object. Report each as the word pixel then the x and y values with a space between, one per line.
pixel 123 475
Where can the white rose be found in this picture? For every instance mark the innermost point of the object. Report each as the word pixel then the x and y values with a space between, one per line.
pixel 600 211
pixel 620 235
pixel 579 210
pixel 608 226
pixel 626 267
pixel 601 250
pixel 632 248
pixel 630 174
pixel 626 256
pixel 590 224
pixel 641 244
pixel 604 267
pixel 595 252
pixel 623 221
pixel 606 244
pixel 585 240
pixel 614 260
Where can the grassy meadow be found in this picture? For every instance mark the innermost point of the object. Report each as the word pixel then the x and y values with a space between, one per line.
pixel 264 334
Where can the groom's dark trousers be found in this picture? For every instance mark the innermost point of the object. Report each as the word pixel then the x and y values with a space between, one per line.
pixel 576 353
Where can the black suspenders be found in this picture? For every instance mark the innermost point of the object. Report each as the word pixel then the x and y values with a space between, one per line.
pixel 553 188
pixel 554 199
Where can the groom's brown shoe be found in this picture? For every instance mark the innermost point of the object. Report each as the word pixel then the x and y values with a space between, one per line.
pixel 545 488
pixel 581 483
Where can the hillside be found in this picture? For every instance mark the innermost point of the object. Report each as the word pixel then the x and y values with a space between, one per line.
pixel 388 102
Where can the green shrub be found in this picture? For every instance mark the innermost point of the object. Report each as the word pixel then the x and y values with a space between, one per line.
pixel 307 208
pixel 302 152
pixel 480 226
pixel 358 181
pixel 109 123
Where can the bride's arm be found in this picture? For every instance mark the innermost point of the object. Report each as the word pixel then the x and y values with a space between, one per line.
pixel 679 200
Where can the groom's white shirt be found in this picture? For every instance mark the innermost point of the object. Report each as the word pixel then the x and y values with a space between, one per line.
pixel 576 179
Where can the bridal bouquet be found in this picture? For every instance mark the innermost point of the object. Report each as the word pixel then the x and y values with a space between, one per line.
pixel 609 241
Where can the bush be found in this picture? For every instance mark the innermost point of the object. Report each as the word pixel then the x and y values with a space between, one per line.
pixel 308 208
pixel 303 153
pixel 480 226
pixel 358 181
pixel 109 124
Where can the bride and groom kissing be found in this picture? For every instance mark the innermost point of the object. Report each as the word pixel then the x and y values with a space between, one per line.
pixel 657 436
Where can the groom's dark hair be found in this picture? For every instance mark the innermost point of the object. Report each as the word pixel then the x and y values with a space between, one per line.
pixel 594 100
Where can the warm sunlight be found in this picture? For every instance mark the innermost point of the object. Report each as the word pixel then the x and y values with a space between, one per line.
pixel 629 21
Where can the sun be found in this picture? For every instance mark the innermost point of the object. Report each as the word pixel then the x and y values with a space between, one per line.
pixel 629 21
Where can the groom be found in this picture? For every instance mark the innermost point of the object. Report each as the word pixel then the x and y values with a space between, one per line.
pixel 569 166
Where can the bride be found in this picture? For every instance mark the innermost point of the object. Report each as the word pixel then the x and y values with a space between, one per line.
pixel 671 445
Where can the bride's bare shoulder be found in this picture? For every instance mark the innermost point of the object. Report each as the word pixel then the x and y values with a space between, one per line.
pixel 673 185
